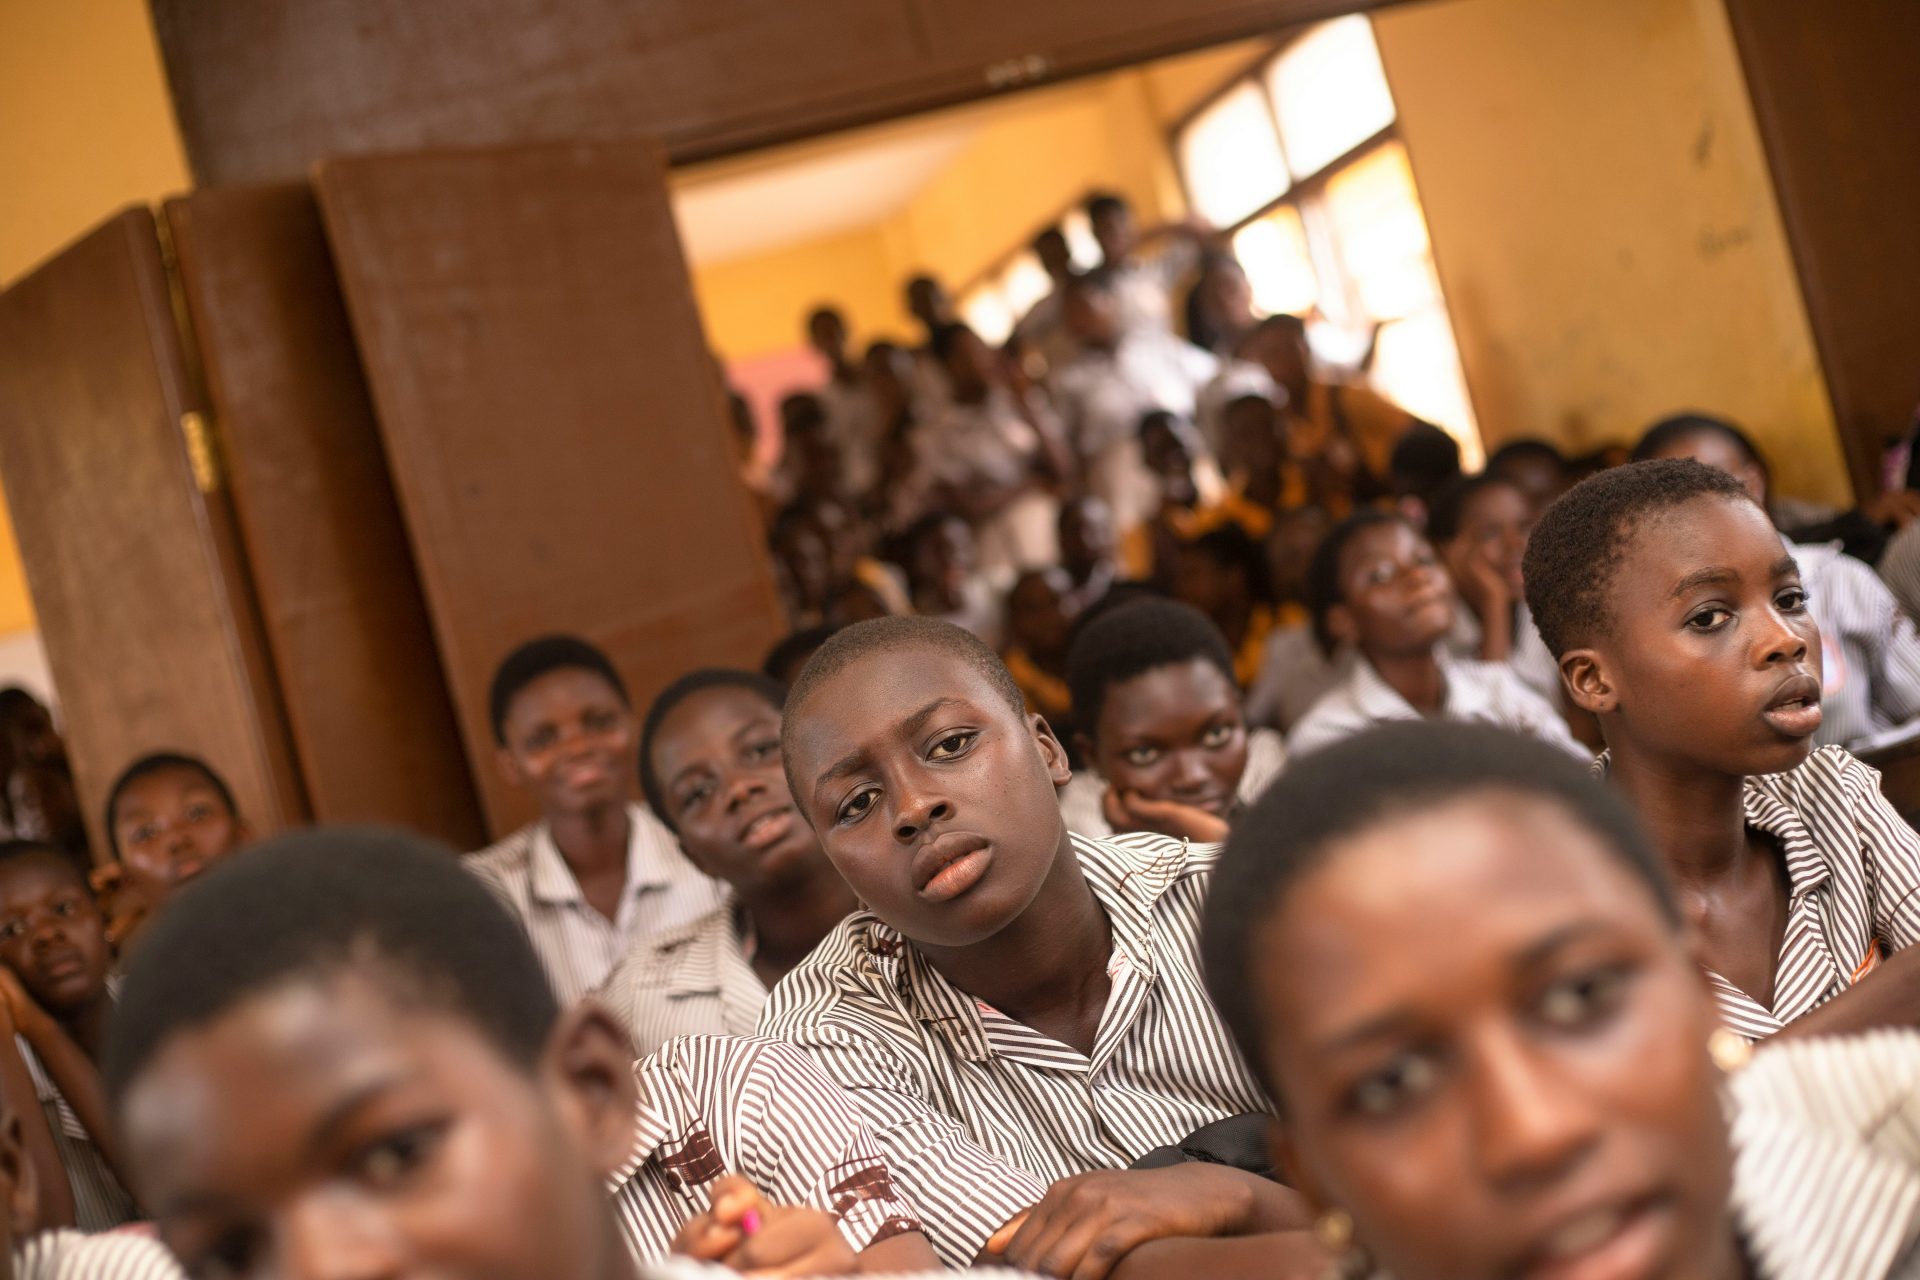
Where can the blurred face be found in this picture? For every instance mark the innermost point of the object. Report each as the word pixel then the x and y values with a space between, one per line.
pixel 717 756
pixel 32 737
pixel 1282 351
pixel 1086 536
pixel 1722 454
pixel 1395 598
pixel 1540 479
pixel 1174 733
pixel 1166 452
pixel 52 933
pixel 805 560
pixel 1113 228
pixel 927 301
pixel 570 740
pixel 970 367
pixel 172 824
pixel 827 333
pixel 1713 659
pixel 1290 547
pixel 1213 588
pixel 1251 436
pixel 1494 1060
pixel 318 1130
pixel 944 555
pixel 1054 254
pixel 1038 614
pixel 933 796
pixel 1495 524
pixel 1226 294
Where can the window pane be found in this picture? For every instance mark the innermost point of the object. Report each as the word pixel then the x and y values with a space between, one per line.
pixel 987 314
pixel 1417 366
pixel 1024 283
pixel 1376 219
pixel 1085 249
pixel 1274 252
pixel 1330 93
pixel 1230 157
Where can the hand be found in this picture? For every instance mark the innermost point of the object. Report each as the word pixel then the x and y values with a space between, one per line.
pixel 1898 508
pixel 126 903
pixel 780 1241
pixel 22 1010
pixel 1479 583
pixel 1084 1225
pixel 1131 811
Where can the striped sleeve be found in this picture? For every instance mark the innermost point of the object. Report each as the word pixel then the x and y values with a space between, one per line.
pixel 1890 850
pixel 71 1255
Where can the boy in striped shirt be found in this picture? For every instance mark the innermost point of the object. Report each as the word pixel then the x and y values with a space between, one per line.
pixel 339 1056
pixel 1018 1013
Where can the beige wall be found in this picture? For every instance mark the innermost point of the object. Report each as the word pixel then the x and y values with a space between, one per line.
pixel 1604 224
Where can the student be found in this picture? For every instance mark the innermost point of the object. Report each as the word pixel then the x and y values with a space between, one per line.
pixel 1679 620
pixel 791 651
pixel 1041 610
pixel 1044 328
pixel 710 767
pixel 1159 719
pixel 1145 285
pixel 1870 650
pixel 851 411
pixel 36 784
pixel 1377 590
pixel 1089 548
pixel 338 1057
pixel 1220 304
pixel 1015 1006
pixel 169 818
pixel 595 871
pixel 54 963
pixel 1459 967
pixel 944 578
pixel 1535 467
pixel 1223 573
pixel 1296 672
pixel 1119 374
pixel 1479 525
pixel 1188 491
pixel 929 303
pixel 1424 464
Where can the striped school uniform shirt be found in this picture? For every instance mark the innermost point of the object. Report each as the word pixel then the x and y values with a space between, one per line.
pixel 695 979
pixel 1869 648
pixel 100 1203
pixel 1826 1172
pixel 978 1113
pixel 1081 798
pixel 73 1255
pixel 1853 867
pixel 713 1105
pixel 578 946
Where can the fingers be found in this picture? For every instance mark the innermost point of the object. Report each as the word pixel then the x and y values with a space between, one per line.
pixel 999 1240
pixel 794 1242
pixel 1170 817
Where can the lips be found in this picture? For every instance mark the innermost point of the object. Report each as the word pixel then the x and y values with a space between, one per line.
pixel 950 864
pixel 765 830
pixel 1608 1242
pixel 60 965
pixel 1794 708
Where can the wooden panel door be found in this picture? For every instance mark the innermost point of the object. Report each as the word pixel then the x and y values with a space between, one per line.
pixel 553 421
pixel 339 598
pixel 127 541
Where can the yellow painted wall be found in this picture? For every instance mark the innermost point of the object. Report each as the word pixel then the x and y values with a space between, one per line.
pixel 756 304
pixel 1604 223
pixel 85 129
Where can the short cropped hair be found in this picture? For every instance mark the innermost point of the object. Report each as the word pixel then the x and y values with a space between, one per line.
pixel 1131 640
pixel 790 651
pixel 854 644
pixel 1231 547
pixel 20 850
pixel 1100 204
pixel 1384 774
pixel 1449 506
pixel 541 657
pixel 1521 451
pixel 1581 540
pixel 1676 429
pixel 310 906
pixel 161 762
pixel 1323 571
pixel 755 682
pixel 1425 460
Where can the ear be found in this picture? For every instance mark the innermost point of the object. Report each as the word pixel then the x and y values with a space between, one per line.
pixel 509 767
pixel 1050 750
pixel 1341 626
pixel 588 1066
pixel 17 1180
pixel 1588 683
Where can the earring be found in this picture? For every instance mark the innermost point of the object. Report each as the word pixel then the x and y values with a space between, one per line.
pixel 1334 1230
pixel 1729 1050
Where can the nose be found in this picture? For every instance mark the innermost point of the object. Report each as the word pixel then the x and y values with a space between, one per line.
pixel 1530 1128
pixel 741 788
pixel 1190 775
pixel 326 1241
pixel 1779 642
pixel 917 812
pixel 47 930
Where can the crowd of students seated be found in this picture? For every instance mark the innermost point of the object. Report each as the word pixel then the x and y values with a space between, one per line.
pixel 1191 829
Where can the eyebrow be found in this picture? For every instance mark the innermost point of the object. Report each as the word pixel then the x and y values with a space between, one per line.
pixel 341 1114
pixel 1786 565
pixel 1711 576
pixel 858 758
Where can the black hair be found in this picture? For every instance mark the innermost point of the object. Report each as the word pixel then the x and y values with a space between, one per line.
pixel 161 762
pixel 1100 204
pixel 1293 326
pixel 854 644
pixel 1053 232
pixel 1528 450
pixel 801 411
pixel 1323 571
pixel 946 337
pixel 926 526
pixel 755 682
pixel 1398 770
pixel 540 657
pixel 1230 546
pixel 782 662
pixel 1675 429
pixel 1098 280
pixel 1135 638
pixel 1448 507
pixel 14 699
pixel 18 850
pixel 1582 538
pixel 1425 461
pixel 826 311
pixel 318 903
pixel 1158 417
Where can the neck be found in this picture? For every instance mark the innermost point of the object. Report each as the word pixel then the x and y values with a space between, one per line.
pixel 86 1026
pixel 790 918
pixel 592 839
pixel 1416 676
pixel 1052 958
pixel 1696 818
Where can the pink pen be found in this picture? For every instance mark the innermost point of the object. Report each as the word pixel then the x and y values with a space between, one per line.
pixel 750 1222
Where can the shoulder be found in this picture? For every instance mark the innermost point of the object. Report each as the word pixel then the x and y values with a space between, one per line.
pixel 654 957
pixel 1828 781
pixel 838 989
pixel 1136 858
pixel 66 1254
pixel 718 1068
pixel 506 857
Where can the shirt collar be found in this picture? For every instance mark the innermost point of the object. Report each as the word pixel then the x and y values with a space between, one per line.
pixel 1465 697
pixel 551 880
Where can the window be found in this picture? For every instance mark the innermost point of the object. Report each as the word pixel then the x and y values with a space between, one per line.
pixel 1299 159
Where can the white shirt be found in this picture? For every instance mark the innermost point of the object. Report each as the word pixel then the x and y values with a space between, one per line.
pixel 1530 659
pixel 1295 674
pixel 1080 799
pixel 1145 285
pixel 66 1254
pixel 578 946
pixel 1487 692
pixel 1103 395
pixel 1869 648
pixel 693 980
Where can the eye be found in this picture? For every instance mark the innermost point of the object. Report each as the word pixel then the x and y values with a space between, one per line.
pixel 540 739
pixel 387 1163
pixel 1218 735
pixel 695 794
pixel 144 832
pixel 66 907
pixel 1584 999
pixel 1397 1085
pixel 599 721
pixel 856 806
pixel 1140 757
pixel 953 745
pixel 12 929
pixel 768 750
pixel 1791 600
pixel 1711 618
pixel 199 812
